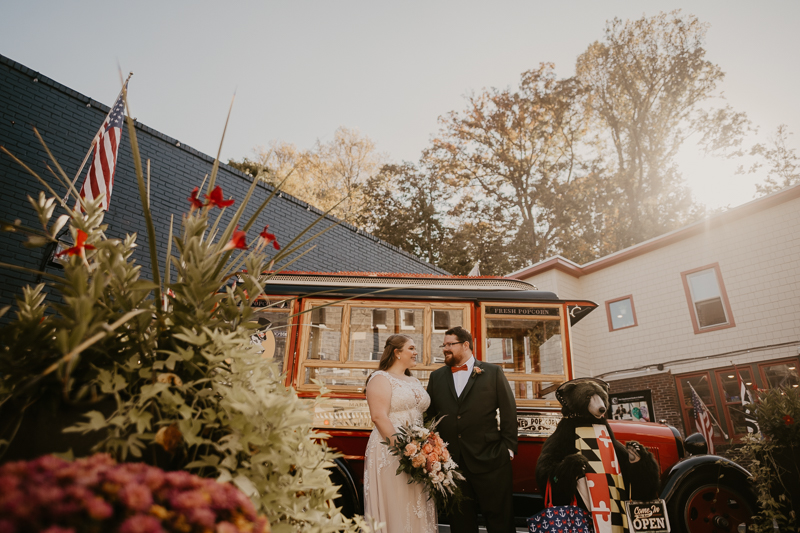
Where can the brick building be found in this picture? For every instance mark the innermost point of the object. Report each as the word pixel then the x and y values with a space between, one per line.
pixel 685 307
pixel 68 120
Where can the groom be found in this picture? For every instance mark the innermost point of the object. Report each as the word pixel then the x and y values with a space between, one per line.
pixel 469 393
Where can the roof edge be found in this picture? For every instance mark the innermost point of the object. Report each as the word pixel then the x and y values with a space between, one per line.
pixel 41 78
pixel 745 210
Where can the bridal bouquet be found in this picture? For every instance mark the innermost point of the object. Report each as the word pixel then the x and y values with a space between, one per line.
pixel 424 457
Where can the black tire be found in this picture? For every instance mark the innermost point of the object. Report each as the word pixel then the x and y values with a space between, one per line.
pixel 705 504
pixel 348 500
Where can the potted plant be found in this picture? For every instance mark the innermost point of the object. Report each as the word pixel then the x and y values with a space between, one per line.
pixel 165 367
pixel 773 457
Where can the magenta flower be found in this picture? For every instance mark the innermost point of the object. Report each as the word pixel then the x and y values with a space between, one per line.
pixel 141 524
pixel 203 517
pixel 99 509
pixel 57 529
pixel 136 497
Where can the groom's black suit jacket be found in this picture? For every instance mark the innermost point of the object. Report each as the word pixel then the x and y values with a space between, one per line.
pixel 470 424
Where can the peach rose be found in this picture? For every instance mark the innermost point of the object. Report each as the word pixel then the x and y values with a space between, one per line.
pixel 418 461
pixel 445 454
pixel 427 448
pixel 411 449
pixel 433 465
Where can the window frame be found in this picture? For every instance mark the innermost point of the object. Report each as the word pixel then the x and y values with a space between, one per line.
pixel 718 372
pixel 563 316
pixel 763 364
pixel 304 328
pixel 688 421
pixel 726 305
pixel 633 313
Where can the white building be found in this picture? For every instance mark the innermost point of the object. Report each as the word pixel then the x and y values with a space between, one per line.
pixel 687 306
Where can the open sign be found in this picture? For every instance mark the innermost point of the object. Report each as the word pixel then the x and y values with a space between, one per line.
pixel 649 516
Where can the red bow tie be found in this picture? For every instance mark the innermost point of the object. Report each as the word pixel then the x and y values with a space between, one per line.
pixel 455 369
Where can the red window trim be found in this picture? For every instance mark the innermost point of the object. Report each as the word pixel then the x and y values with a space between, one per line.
pixel 688 422
pixel 762 364
pixel 723 294
pixel 721 391
pixel 608 313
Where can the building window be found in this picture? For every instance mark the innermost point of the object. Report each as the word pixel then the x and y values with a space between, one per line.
pixel 731 396
pixel 781 374
pixel 723 395
pixel 621 313
pixel 702 384
pixel 708 302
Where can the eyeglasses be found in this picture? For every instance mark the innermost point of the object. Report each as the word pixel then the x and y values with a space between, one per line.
pixel 449 344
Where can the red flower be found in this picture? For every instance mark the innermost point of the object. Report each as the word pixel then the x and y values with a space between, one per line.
pixel 237 241
pixel 215 198
pixel 269 238
pixel 79 247
pixel 788 420
pixel 194 200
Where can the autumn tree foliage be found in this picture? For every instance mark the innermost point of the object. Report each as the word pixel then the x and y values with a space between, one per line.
pixel 781 161
pixel 649 85
pixel 580 167
pixel 330 175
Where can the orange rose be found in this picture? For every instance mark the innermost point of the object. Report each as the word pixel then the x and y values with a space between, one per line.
pixel 411 449
pixel 427 448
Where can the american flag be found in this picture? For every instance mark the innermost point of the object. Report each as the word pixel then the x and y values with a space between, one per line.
pixel 100 178
pixel 703 419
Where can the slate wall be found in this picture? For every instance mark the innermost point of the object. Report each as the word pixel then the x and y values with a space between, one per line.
pixel 68 120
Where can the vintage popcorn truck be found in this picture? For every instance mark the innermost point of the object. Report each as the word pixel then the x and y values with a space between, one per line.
pixel 330 329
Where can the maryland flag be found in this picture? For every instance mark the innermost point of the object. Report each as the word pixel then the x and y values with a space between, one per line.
pixel 603 475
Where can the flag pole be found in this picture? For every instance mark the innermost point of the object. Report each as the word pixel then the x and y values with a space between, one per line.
pixel 94 141
pixel 711 415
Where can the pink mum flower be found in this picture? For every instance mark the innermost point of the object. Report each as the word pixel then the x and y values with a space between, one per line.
pixel 141 524
pixel 136 497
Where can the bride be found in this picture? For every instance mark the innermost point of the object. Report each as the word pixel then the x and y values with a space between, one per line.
pixel 395 398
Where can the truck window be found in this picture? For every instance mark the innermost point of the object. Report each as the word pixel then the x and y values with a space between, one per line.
pixel 342 342
pixel 526 341
pixel 271 338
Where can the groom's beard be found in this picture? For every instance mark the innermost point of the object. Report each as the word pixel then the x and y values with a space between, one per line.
pixel 451 360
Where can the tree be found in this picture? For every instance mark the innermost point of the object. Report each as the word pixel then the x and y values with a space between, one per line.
pixel 517 151
pixel 646 83
pixel 401 205
pixel 273 164
pixel 783 164
pixel 329 175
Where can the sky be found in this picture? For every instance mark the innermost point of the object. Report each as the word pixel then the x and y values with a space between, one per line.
pixel 302 69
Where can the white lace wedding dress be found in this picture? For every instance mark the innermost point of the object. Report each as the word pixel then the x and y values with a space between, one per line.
pixel 389 498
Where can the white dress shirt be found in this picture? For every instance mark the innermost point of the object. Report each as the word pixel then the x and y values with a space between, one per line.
pixel 460 378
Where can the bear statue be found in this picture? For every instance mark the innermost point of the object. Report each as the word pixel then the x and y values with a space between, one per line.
pixel 583 446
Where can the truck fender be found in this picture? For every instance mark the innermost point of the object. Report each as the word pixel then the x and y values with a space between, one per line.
pixel 711 465
pixel 349 499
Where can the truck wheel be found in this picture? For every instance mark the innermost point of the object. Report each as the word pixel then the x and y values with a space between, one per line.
pixel 348 498
pixel 704 505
